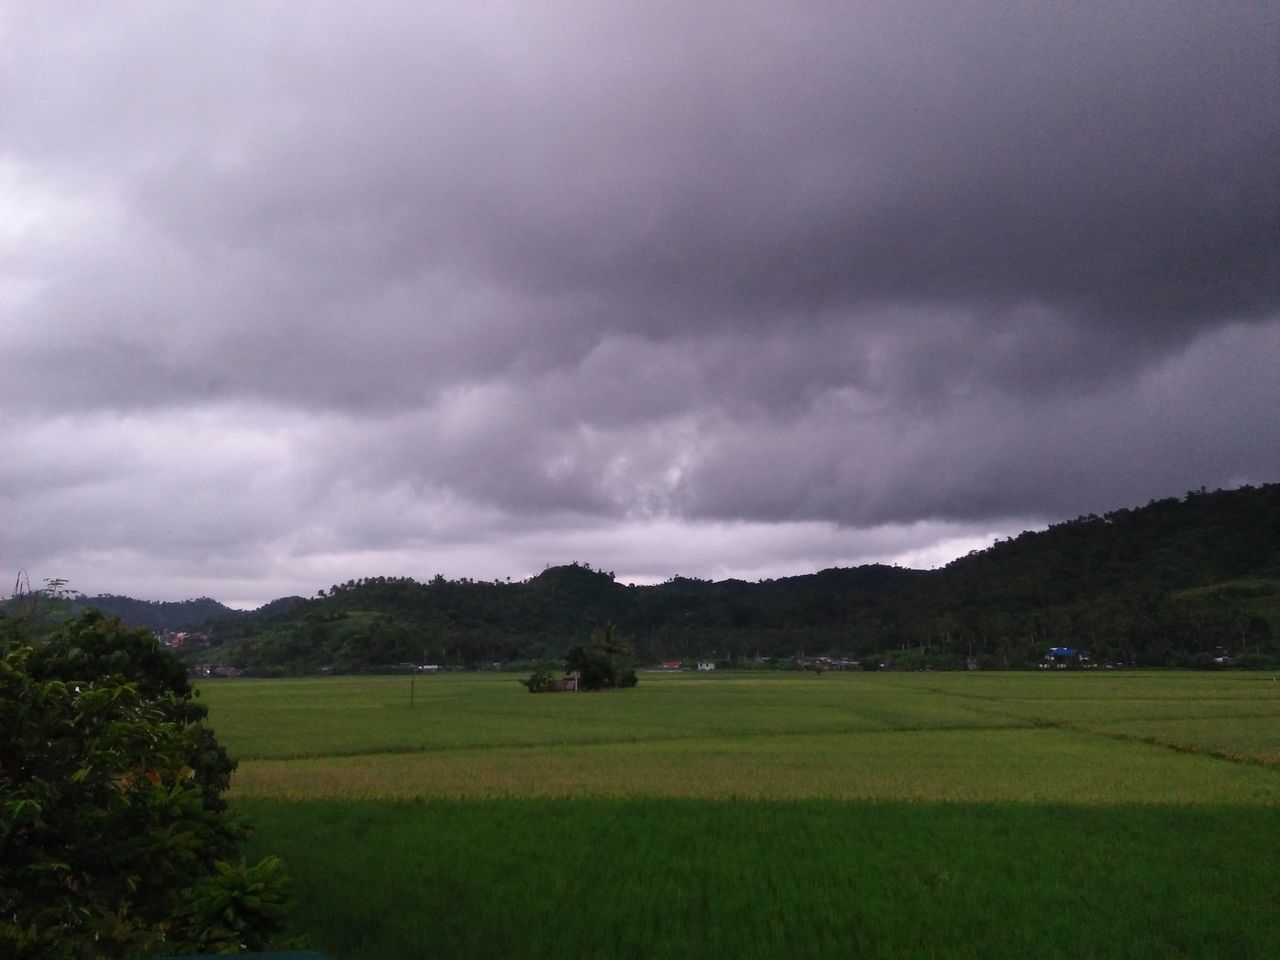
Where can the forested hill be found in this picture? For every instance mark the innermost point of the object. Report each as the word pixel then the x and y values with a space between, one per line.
pixel 1168 545
pixel 1177 582
pixel 173 615
pixel 157 615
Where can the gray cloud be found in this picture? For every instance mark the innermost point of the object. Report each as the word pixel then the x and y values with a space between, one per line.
pixel 400 284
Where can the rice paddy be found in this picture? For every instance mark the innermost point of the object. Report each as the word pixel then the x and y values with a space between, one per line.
pixel 770 815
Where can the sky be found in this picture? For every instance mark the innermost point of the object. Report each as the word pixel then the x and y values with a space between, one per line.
pixel 292 294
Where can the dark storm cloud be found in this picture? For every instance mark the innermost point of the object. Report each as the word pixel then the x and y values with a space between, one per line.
pixel 505 268
pixel 989 455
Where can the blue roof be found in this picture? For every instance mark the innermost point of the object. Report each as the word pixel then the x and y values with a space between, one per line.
pixel 1063 651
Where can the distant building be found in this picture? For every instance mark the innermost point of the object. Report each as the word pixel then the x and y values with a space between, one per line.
pixel 216 670
pixel 706 665
pixel 1063 657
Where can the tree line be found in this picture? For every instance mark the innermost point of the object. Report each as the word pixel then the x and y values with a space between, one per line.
pixel 1191 581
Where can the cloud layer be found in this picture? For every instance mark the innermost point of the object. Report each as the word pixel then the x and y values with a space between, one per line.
pixel 297 293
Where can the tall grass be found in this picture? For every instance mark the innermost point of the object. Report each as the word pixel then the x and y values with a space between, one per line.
pixel 670 878
pixel 920 737
pixel 1030 765
pixel 281 719
pixel 1132 815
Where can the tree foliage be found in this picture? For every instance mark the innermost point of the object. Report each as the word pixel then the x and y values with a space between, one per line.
pixel 602 664
pixel 1172 583
pixel 115 839
pixel 540 681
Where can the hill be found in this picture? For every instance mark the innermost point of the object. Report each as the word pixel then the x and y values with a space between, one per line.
pixel 1177 582
pixel 156 615
pixel 166 616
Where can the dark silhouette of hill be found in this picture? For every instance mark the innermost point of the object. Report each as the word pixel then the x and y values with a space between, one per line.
pixel 196 614
pixel 202 613
pixel 1176 582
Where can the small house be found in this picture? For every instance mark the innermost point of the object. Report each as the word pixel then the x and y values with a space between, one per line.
pixel 1062 657
pixel 706 665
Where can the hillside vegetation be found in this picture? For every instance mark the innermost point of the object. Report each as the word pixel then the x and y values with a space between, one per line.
pixel 1182 582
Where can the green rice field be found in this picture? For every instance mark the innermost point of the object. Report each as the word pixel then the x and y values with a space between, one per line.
pixel 1126 814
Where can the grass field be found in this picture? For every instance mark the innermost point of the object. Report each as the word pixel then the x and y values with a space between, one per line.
pixel 771 815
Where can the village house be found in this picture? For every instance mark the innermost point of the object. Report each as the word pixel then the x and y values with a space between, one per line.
pixel 1063 657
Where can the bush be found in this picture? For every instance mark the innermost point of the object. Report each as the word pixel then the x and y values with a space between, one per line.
pixel 1257 661
pixel 114 833
pixel 539 682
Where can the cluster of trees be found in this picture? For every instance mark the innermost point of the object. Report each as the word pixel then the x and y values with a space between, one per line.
pixel 604 663
pixel 115 837
pixel 1176 582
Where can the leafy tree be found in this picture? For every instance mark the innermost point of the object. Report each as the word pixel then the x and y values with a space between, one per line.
pixel 114 837
pixel 602 664
pixel 540 682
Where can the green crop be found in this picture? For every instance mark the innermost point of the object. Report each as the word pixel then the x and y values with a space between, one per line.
pixel 771 815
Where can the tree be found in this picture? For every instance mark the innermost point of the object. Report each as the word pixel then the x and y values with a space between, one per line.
pixel 540 682
pixel 114 837
pixel 604 663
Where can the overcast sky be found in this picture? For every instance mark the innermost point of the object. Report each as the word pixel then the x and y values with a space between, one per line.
pixel 293 293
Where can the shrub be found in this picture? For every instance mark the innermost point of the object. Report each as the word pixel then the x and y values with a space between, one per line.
pixel 112 821
pixel 539 682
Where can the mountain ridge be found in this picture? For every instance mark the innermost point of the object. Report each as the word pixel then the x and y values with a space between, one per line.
pixel 1179 581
